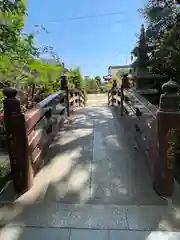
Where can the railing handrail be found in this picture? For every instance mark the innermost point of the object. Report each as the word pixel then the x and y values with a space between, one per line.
pixel 156 131
pixel 33 137
pixel 152 110
pixel 34 115
pixel 48 99
pixel 145 100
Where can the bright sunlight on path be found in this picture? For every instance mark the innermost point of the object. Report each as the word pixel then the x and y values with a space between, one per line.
pixel 96 178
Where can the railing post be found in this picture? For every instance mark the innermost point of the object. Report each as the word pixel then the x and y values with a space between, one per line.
pixel 64 86
pixel 79 94
pixel 79 99
pixel 17 141
pixel 168 129
pixel 114 84
pixel 74 101
pixel 67 97
pixel 122 100
pixel 112 94
pixel 112 91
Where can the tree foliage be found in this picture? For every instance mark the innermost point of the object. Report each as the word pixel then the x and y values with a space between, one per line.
pixel 163 34
pixel 17 50
pixel 109 85
pixel 11 23
pixel 20 62
pixel 75 78
pixel 98 80
pixel 91 85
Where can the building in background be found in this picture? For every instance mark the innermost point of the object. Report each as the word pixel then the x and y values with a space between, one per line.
pixel 117 71
pixel 107 78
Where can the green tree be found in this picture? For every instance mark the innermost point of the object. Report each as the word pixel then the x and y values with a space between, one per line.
pixel 19 66
pixel 163 35
pixel 21 63
pixel 16 49
pixel 98 80
pixel 75 78
pixel 12 15
pixel 91 85
pixel 45 75
pixel 109 85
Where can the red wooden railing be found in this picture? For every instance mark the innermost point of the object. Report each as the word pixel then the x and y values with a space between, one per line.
pixel 29 134
pixel 156 130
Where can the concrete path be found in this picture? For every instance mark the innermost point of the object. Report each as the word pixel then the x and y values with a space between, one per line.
pixel 95 185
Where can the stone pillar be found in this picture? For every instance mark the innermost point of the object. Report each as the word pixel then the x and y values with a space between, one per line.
pixel 168 129
pixel 17 141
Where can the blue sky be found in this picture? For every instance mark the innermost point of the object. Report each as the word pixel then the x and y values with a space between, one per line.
pixel 92 43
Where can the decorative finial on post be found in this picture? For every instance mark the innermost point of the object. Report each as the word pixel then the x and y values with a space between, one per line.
pixel 169 100
pixel 11 103
pixel 10 92
pixel 170 87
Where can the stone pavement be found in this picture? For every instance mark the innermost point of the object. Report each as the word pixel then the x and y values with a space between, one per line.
pixel 95 185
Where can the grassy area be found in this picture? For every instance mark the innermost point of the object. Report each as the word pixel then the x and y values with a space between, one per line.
pixel 4 175
pixel 4 180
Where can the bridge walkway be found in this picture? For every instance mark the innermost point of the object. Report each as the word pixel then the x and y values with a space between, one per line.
pixel 95 184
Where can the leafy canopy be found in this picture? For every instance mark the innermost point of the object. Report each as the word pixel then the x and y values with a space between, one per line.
pixel 163 34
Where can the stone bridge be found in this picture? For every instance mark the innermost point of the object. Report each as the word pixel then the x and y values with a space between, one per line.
pixel 95 183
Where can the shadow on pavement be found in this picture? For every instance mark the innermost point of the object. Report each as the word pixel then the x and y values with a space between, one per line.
pixel 91 161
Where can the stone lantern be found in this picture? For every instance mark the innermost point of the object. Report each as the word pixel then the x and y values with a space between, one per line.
pixel 145 83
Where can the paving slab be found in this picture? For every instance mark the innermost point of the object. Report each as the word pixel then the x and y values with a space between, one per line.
pixel 153 218
pixel 87 216
pixel 121 175
pixel 70 158
pixel 19 233
pixel 24 233
pixel 143 235
pixel 60 215
pixel 89 235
